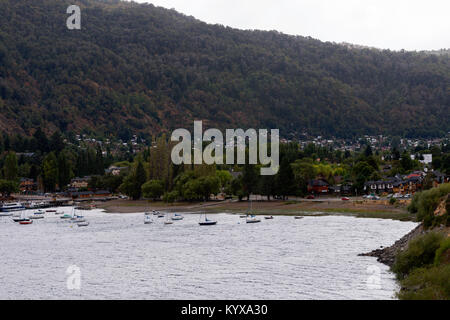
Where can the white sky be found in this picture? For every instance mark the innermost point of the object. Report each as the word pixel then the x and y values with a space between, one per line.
pixel 393 24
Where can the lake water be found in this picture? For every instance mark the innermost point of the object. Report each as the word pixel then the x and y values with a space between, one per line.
pixel 121 258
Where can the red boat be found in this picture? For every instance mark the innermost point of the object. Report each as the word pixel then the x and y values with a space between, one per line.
pixel 26 221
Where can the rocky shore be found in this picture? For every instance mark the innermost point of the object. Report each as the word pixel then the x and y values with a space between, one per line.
pixel 387 255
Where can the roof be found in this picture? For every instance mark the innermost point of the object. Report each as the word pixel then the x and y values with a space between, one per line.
pixel 102 192
pixel 318 183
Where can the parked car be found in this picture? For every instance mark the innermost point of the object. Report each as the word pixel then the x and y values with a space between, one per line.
pixel 310 197
pixel 345 198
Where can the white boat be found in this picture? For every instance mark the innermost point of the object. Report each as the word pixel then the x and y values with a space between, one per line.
pixel 37 215
pixel 6 214
pixel 160 215
pixel 11 206
pixel 83 224
pixel 177 217
pixel 78 219
pixel 21 217
pixel 251 218
pixel 148 219
pixel 206 221
pixel 168 221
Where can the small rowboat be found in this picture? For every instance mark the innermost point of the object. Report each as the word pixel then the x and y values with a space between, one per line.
pixel 168 222
pixel 83 224
pixel 298 217
pixel 27 221
pixel 268 218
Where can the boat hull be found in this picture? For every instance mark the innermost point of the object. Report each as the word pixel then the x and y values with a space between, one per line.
pixel 207 223
pixel 83 224
pixel 6 214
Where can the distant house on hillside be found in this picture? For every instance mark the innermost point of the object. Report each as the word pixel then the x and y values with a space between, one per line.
pixel 79 182
pixel 115 171
pixel 27 186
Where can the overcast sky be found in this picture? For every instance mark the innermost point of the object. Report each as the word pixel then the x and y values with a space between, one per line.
pixel 393 24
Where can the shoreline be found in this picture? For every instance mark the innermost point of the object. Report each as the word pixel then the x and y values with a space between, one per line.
pixel 386 255
pixel 356 208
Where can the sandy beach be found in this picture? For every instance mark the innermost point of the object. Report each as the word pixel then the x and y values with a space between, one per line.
pixel 361 208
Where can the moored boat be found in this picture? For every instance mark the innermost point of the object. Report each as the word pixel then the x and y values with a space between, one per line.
pixel 148 219
pixel 206 221
pixel 11 206
pixel 268 218
pixel 37 215
pixel 177 217
pixel 252 219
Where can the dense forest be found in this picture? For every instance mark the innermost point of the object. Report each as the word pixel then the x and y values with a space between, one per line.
pixel 140 68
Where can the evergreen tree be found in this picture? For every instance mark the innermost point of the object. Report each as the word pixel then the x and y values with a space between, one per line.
pixel 50 172
pixel 64 175
pixel 11 167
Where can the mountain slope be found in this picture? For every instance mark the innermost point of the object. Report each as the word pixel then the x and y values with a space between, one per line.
pixel 140 68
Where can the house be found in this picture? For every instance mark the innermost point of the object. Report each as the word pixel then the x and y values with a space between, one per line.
pixel 318 186
pixel 380 186
pixel 414 183
pixel 82 194
pixel 27 186
pixel 439 178
pixel 102 194
pixel 115 171
pixel 400 186
pixel 79 182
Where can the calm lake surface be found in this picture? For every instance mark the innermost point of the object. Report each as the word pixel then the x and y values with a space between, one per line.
pixel 121 258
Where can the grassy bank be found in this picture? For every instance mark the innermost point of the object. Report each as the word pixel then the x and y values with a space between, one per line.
pixel 423 268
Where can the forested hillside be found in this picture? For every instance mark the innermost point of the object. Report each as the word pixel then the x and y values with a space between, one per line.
pixel 139 68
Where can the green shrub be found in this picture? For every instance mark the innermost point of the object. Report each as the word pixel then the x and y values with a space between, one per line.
pixel 442 253
pixel 170 197
pixel 392 201
pixel 424 203
pixel 420 253
pixel 427 284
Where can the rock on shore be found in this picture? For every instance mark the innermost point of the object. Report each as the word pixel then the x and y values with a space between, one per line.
pixel 387 255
